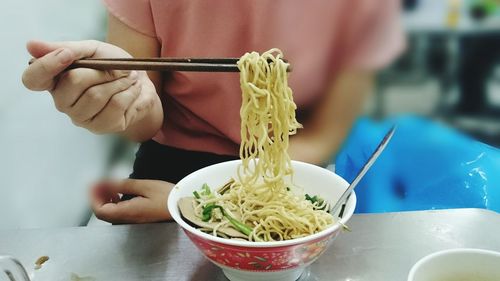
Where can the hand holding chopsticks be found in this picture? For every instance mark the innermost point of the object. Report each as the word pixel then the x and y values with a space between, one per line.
pixel 112 101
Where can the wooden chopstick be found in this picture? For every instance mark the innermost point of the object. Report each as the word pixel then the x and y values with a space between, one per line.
pixel 173 59
pixel 160 64
pixel 154 65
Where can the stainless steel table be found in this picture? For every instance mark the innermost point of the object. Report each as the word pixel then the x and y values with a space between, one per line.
pixel 380 247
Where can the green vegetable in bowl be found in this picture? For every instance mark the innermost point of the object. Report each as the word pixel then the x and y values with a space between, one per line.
pixel 207 214
pixel 318 202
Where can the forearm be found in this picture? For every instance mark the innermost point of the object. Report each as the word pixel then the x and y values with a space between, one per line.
pixel 329 125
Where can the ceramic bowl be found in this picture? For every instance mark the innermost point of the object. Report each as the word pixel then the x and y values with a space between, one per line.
pixel 457 265
pixel 271 261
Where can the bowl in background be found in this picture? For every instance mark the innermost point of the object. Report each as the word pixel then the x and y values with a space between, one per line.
pixel 270 261
pixel 462 264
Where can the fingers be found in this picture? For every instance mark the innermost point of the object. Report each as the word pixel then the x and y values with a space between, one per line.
pixel 38 48
pixel 95 98
pixel 128 186
pixel 101 195
pixel 124 211
pixel 149 206
pixel 39 76
pixel 73 84
pixel 113 117
pixel 133 187
pixel 106 203
pixel 81 49
pixel 143 104
pixel 52 59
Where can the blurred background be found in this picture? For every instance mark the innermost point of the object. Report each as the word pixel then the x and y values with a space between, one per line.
pixel 450 73
pixel 451 68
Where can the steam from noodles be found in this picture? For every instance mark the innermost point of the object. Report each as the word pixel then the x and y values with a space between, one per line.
pixel 261 197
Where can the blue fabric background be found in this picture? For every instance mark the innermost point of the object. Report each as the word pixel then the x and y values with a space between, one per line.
pixel 426 165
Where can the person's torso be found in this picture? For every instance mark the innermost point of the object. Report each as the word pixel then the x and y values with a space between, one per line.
pixel 202 108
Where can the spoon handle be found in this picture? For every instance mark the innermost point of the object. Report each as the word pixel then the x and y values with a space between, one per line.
pixel 363 170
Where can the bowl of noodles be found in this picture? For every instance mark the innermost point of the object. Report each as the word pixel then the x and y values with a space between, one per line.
pixel 263 217
pixel 241 259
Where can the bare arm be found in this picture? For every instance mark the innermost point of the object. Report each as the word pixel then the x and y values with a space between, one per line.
pixel 331 121
pixel 126 38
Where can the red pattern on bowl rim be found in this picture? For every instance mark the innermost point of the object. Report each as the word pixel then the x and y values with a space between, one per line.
pixel 263 258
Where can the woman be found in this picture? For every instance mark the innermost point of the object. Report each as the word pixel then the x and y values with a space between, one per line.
pixel 186 121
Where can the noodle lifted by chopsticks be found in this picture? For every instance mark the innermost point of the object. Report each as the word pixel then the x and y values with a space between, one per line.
pixel 260 198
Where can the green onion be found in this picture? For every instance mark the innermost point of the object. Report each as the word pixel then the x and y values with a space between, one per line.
pixel 207 209
pixel 205 190
pixel 207 214
pixel 196 194
pixel 317 201
pixel 238 225
pixel 313 199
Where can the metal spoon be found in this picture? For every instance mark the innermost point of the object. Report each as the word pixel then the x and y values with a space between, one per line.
pixel 345 196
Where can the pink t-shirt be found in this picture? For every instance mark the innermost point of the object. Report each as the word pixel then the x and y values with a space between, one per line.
pixel 318 37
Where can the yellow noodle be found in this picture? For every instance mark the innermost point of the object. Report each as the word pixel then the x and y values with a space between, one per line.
pixel 260 196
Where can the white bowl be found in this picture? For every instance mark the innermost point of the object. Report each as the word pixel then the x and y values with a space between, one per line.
pixel 280 260
pixel 461 264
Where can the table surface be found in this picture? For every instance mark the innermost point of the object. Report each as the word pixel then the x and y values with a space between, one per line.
pixel 380 247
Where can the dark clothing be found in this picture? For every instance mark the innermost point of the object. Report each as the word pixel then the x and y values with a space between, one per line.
pixel 155 161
